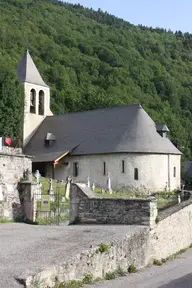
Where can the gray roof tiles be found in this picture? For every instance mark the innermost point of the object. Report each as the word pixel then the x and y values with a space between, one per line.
pixel 110 130
pixel 27 71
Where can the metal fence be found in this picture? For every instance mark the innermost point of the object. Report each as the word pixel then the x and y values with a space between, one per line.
pixel 51 209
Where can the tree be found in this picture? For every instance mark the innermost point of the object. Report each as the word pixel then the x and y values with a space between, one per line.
pixel 11 104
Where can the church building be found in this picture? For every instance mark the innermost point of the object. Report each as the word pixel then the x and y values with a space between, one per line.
pixel 122 141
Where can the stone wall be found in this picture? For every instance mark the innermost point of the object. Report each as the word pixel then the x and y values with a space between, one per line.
pixel 173 232
pixel 12 170
pixel 27 189
pixel 122 252
pixel 85 207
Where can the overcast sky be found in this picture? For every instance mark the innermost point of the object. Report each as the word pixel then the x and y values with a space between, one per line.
pixel 169 14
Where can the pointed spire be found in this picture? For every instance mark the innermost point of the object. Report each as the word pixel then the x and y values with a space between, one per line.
pixel 27 71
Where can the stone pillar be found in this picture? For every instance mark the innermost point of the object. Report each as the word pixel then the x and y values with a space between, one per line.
pixel 153 213
pixel 27 191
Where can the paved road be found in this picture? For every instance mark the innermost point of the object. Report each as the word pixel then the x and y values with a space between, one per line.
pixel 173 274
pixel 26 249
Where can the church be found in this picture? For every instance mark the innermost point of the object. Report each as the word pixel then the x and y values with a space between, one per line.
pixel 123 142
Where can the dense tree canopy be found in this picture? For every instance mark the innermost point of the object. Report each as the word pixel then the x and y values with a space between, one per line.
pixel 11 103
pixel 92 59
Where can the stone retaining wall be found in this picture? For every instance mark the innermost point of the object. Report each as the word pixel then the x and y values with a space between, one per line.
pixel 86 208
pixel 12 170
pixel 122 252
pixel 171 232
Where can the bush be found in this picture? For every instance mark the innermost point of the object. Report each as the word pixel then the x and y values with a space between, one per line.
pixel 157 262
pixel 132 268
pixel 103 248
pixel 120 272
pixel 110 275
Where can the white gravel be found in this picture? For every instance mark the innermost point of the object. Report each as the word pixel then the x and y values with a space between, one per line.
pixel 25 249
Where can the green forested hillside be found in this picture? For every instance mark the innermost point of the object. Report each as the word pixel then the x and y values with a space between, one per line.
pixel 92 59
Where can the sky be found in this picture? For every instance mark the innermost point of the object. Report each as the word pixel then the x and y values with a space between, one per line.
pixel 169 14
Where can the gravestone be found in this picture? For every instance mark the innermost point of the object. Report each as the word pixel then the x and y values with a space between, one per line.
pixel 93 187
pixel 88 182
pixel 51 191
pixel 67 191
pixel 109 184
pixel 37 175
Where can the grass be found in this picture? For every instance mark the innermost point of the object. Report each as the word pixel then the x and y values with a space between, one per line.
pixel 60 187
pixel 87 280
pixel 110 276
pixel 52 220
pixel 103 248
pixel 170 257
pixel 58 207
pixel 132 269
pixel 4 220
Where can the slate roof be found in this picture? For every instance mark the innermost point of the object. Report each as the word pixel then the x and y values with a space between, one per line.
pixel 27 71
pixel 109 130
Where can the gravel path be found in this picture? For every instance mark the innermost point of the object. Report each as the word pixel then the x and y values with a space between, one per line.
pixel 176 273
pixel 25 249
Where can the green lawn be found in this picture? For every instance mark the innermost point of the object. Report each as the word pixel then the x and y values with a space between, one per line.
pixel 57 187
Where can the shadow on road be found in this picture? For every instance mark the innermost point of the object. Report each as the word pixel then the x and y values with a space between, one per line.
pixel 183 282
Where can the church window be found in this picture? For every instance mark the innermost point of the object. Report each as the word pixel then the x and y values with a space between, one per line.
pixel 174 171
pixel 136 174
pixel 41 103
pixel 75 169
pixel 32 101
pixel 104 168
pixel 123 166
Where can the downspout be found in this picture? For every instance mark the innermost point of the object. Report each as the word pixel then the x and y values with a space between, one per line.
pixel 169 184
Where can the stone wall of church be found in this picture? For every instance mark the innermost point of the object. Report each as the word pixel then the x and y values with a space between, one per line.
pixel 12 170
pixel 155 172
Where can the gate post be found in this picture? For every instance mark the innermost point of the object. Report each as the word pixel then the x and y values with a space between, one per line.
pixel 27 191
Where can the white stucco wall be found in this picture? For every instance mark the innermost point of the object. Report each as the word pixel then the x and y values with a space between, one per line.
pixel 152 170
pixel 32 121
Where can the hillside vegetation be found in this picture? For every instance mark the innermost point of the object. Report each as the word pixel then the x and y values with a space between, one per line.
pixel 92 60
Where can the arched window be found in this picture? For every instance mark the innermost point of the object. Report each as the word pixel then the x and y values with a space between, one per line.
pixel 41 102
pixel 174 171
pixel 33 101
pixel 136 174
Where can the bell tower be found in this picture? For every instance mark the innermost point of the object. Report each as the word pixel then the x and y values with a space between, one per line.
pixel 37 97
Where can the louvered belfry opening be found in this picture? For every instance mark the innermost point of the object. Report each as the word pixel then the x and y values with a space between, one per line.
pixel 41 102
pixel 33 101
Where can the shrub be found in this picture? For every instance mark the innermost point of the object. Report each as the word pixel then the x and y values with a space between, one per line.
pixel 120 272
pixel 132 268
pixel 110 275
pixel 157 262
pixel 103 248
pixel 88 279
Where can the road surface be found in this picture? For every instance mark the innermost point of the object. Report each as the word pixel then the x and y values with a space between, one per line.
pixel 28 249
pixel 175 273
